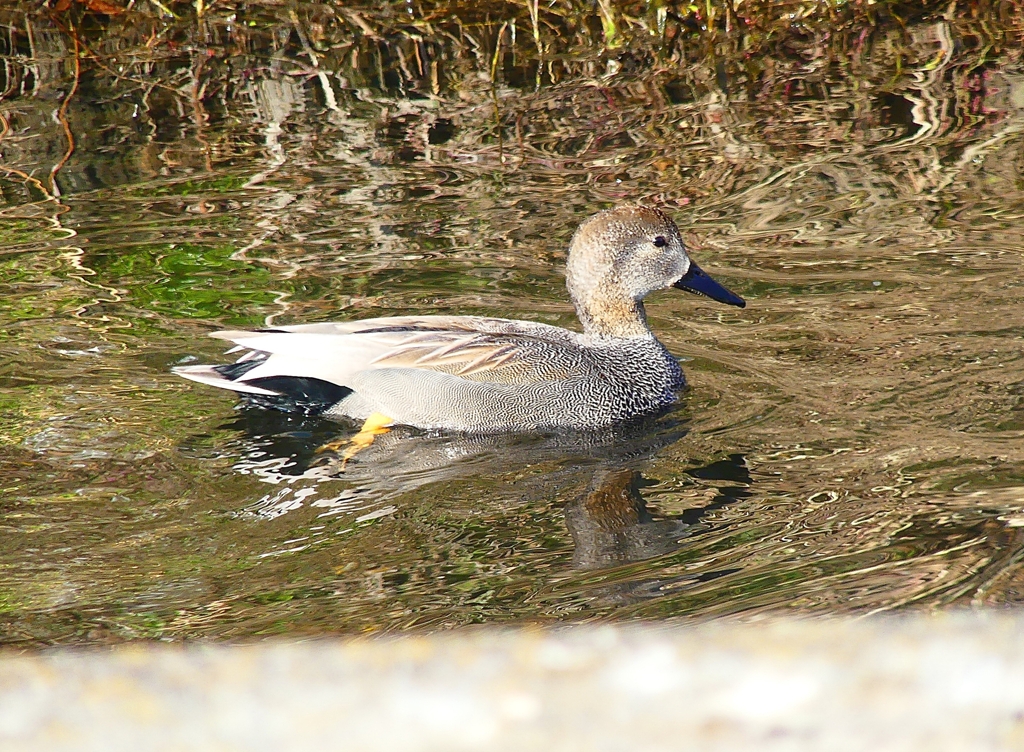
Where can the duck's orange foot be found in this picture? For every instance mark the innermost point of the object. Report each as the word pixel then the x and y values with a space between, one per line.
pixel 374 426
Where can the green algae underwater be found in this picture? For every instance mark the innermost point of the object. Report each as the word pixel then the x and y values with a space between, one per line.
pixel 852 441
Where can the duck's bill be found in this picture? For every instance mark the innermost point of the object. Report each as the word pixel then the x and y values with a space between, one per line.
pixel 697 280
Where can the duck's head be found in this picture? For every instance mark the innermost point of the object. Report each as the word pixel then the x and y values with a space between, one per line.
pixel 619 256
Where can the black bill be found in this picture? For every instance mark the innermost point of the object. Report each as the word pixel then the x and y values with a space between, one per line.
pixel 696 280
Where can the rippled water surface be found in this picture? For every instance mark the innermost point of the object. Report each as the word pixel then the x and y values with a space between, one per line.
pixel 853 440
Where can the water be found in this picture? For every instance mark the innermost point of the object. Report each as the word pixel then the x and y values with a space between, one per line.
pixel 851 441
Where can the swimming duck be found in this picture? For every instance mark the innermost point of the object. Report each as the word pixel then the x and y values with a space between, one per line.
pixel 478 374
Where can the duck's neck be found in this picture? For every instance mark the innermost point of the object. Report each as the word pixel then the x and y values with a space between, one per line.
pixel 616 316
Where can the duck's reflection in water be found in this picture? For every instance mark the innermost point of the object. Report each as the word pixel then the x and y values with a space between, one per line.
pixel 611 524
pixel 277 446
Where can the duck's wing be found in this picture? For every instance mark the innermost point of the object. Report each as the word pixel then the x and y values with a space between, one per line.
pixel 476 349
pixel 453 324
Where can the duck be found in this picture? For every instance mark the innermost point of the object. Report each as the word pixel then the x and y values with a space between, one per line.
pixel 479 374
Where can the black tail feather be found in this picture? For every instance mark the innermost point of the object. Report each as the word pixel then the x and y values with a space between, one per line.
pixel 235 371
pixel 298 394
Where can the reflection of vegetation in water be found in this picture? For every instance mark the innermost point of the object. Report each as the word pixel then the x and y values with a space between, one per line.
pixel 692 101
pixel 188 281
pixel 453 81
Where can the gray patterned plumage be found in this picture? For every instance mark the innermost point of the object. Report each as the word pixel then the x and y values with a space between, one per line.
pixel 480 374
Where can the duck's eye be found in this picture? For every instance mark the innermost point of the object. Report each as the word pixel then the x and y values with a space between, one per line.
pixel 660 242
